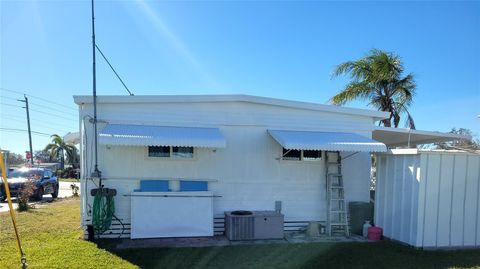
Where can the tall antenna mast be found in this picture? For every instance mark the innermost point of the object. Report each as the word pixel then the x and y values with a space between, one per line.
pixel 96 172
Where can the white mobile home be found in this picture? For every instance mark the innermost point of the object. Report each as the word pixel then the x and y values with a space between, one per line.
pixel 178 163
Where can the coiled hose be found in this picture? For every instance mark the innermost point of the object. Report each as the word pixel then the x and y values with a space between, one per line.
pixel 103 210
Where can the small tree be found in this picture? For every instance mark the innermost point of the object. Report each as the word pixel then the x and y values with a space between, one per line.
pixel 472 144
pixel 24 195
pixel 15 159
pixel 44 156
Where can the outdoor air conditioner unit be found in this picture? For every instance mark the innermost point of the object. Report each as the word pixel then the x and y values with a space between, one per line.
pixel 239 225
pixel 248 225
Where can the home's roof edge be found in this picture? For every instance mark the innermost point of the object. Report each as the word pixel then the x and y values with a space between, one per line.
pixel 86 99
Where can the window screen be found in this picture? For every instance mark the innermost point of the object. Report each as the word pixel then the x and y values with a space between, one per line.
pixel 156 151
pixel 291 154
pixel 312 154
pixel 182 152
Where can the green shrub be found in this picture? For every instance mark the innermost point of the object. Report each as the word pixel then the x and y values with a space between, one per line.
pixel 68 172
pixel 24 195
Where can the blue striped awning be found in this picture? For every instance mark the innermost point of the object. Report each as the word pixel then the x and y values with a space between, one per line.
pixel 330 141
pixel 149 135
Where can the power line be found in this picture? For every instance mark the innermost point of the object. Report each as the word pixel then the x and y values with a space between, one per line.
pixel 4 104
pixel 43 124
pixel 40 98
pixel 51 102
pixel 7 97
pixel 49 127
pixel 43 112
pixel 36 104
pixel 23 130
pixel 51 114
pixel 4 89
pixel 8 116
pixel 35 120
pixel 46 107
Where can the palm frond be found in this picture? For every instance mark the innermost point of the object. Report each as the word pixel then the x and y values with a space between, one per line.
pixel 378 77
pixel 354 90
pixel 342 69
pixel 50 147
pixel 409 122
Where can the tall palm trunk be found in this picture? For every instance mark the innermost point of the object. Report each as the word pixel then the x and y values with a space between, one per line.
pixel 385 106
pixel 62 159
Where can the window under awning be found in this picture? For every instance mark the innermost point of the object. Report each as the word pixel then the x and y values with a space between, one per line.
pixel 149 135
pixel 330 141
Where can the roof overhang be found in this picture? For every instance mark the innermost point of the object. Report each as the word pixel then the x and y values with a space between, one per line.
pixel 329 141
pixel 149 135
pixel 400 137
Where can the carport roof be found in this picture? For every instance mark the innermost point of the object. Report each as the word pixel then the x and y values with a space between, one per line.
pixel 400 137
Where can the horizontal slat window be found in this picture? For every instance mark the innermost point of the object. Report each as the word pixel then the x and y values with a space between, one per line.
pixel 182 152
pixel 301 155
pixel 156 151
pixel 170 152
pixel 312 155
pixel 291 154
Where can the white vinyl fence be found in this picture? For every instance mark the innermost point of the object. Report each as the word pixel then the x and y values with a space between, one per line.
pixel 429 199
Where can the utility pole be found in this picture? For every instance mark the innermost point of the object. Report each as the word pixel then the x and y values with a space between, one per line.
pixel 28 124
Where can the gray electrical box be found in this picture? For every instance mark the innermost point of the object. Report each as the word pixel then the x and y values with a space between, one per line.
pixel 268 225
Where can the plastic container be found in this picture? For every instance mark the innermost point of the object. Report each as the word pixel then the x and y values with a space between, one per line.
pixel 375 233
pixel 366 225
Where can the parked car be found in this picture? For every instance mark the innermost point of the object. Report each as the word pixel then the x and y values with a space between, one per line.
pixel 45 181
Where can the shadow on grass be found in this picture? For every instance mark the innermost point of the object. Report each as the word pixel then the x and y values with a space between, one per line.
pixel 311 255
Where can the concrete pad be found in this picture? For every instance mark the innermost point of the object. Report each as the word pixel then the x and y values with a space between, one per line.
pixel 301 237
pixel 221 241
pixel 177 242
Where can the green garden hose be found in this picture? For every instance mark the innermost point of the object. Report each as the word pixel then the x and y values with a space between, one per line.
pixel 103 210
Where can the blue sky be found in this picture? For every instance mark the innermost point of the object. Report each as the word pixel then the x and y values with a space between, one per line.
pixel 276 49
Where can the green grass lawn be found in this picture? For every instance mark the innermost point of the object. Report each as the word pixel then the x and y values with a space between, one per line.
pixel 51 239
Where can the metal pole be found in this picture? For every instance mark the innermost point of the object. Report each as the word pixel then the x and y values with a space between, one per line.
pixel 3 169
pixel 96 171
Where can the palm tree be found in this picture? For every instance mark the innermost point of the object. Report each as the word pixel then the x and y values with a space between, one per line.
pixel 377 77
pixel 58 147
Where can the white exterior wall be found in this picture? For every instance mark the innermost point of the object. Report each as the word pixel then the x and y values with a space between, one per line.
pixel 429 199
pixel 247 174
